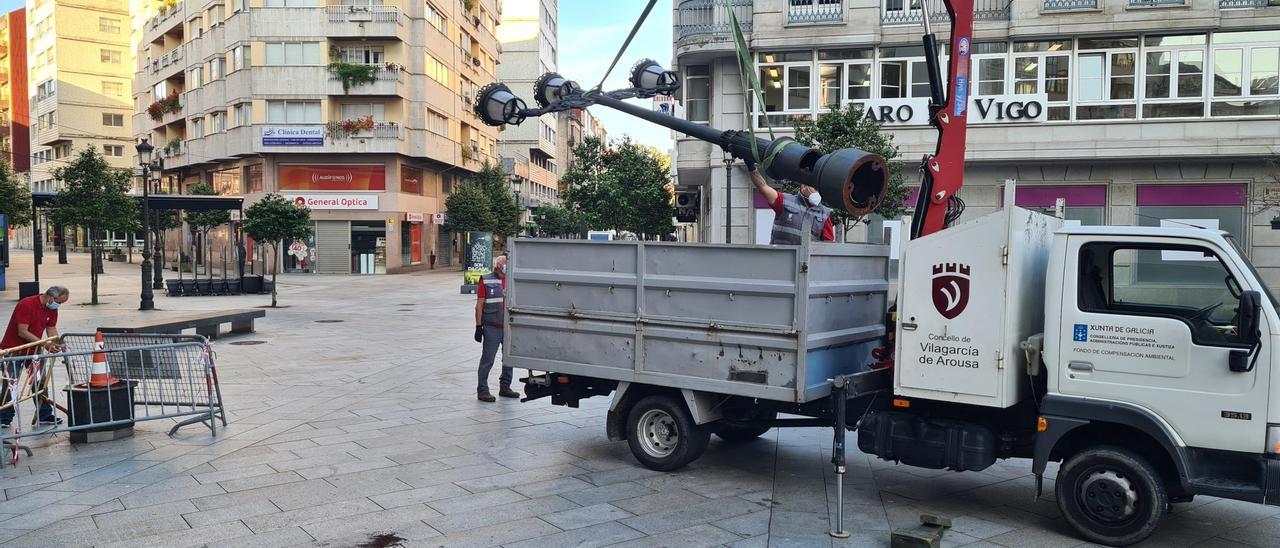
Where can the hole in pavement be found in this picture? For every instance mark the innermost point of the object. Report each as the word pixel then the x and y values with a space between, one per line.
pixel 329 321
pixel 382 540
pixel 247 343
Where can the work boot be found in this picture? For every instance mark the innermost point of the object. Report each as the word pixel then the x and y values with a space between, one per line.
pixel 507 392
pixel 486 397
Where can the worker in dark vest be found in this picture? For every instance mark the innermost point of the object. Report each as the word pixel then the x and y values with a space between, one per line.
pixel 790 212
pixel 490 306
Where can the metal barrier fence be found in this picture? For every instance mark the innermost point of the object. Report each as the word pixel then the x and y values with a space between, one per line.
pixel 159 377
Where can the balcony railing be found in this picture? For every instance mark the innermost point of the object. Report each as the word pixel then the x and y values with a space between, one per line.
pixel 362 14
pixel 908 12
pixel 168 14
pixel 1247 4
pixel 695 17
pixel 1145 3
pixel 385 73
pixel 815 11
pixel 1057 5
pixel 173 57
pixel 381 130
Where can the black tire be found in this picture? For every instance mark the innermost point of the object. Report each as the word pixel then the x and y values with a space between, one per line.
pixel 732 433
pixel 662 434
pixel 1111 495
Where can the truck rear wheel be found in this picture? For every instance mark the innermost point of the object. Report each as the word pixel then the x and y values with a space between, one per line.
pixel 662 434
pixel 734 433
pixel 1111 495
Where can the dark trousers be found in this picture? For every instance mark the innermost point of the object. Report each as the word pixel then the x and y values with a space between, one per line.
pixel 489 352
pixel 11 371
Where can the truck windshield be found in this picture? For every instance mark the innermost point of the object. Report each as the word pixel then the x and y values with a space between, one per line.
pixel 1254 271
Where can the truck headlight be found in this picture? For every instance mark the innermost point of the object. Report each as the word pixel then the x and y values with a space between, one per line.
pixel 1273 439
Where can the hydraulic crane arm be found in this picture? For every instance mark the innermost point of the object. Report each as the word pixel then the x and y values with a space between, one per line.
pixel 937 205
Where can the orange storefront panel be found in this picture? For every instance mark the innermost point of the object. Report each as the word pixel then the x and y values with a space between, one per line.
pixel 333 177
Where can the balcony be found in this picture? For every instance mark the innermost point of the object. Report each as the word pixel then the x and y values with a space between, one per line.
pixel 365 21
pixel 1247 4
pixel 1155 3
pixel 173 57
pixel 709 19
pixel 1069 5
pixel 815 11
pixel 983 10
pixel 164 17
pixel 387 81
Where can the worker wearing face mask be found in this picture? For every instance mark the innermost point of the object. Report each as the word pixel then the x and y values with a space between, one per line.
pixel 790 211
pixel 34 319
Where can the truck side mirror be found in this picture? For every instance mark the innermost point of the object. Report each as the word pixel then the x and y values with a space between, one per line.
pixel 1250 317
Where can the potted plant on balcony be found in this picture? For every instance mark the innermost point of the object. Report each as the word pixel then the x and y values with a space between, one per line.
pixel 342 129
pixel 157 109
pixel 174 146
pixel 351 74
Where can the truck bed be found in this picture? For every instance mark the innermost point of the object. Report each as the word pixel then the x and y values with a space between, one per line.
pixel 770 322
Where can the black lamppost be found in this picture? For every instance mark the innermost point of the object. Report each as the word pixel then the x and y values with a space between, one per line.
pixel 158 277
pixel 144 160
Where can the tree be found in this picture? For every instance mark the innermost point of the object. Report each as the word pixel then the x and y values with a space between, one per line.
pixel 94 196
pixel 559 221
pixel 205 221
pixel 624 188
pixel 468 209
pixel 846 127
pixel 15 197
pixel 502 203
pixel 273 220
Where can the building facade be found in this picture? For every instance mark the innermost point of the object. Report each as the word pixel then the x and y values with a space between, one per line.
pixel 529 40
pixel 15 116
pixel 1132 112
pixel 359 110
pixel 79 68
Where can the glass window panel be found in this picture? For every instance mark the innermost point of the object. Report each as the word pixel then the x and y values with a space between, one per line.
pixel 850 53
pixel 1245 108
pixel 990 47
pixel 1264 66
pixel 1057 76
pixel 893 76
pixel 1191 74
pixel 771 82
pixel 1248 37
pixel 797 88
pixel 1188 40
pixel 698 70
pixel 275 54
pixel 275 112
pixel 294 113
pixel 1090 77
pixel 1228 65
pixel 919 79
pixel 1108 43
pixel 1175 110
pixel 698 88
pixel 312 112
pixel 902 51
pixel 859 81
pixel 1059 113
pixel 1158 68
pixel 1052 45
pixel 830 84
pixel 1106 112
pixel 991 76
pixel 785 56
pixel 1026 75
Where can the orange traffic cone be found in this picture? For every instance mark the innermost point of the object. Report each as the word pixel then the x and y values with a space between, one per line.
pixel 100 377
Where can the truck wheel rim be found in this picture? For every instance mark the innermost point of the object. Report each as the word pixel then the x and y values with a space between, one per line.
pixel 1108 497
pixel 658 433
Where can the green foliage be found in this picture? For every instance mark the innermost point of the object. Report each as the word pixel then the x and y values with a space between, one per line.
pixel 15 197
pixel 624 188
pixel 502 202
pixel 205 220
pixel 274 220
pixel 559 221
pixel 467 209
pixel 847 128
pixel 95 196
pixel 353 74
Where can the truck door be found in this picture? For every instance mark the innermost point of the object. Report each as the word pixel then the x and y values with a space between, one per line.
pixel 1152 325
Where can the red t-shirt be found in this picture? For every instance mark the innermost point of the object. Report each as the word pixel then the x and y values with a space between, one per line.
pixel 480 287
pixel 33 313
pixel 828 229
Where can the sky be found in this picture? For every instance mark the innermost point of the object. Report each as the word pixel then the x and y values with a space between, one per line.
pixel 590 33
pixel 7 6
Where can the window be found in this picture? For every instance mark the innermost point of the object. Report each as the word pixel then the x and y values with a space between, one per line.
pixel 197 127
pixel 990 62
pixel 1188 283
pixel 1173 76
pixel 697 93
pixel 368 55
pixel 1106 78
pixel 844 77
pixel 352 111
pixel 437 123
pixel 217 68
pixel 160 90
pixel 437 71
pixel 45 121
pixel 113 150
pixel 195 76
pixel 197 26
pixel 108 25
pixel 113 89
pixel 903 72
pixel 243 113
pixel 237 6
pixel 1045 65
pixel 112 120
pixel 293 112
pixel 110 56
pixel 217 122
pixel 786 84
pixel 239 57
pixel 436 19
pixel 1246 67
pixel 293 53
pixel 254 182
pixel 216 15
pixel 46 89
pixel 1084 203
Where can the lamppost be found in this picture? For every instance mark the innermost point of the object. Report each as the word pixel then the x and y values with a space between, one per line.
pixel 144 160
pixel 516 184
pixel 158 276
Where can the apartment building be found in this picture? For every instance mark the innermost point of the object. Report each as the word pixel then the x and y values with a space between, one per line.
pixel 361 110
pixel 534 152
pixel 15 118
pixel 1131 112
pixel 79 67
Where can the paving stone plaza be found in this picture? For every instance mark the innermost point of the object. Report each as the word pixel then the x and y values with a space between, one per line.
pixel 355 423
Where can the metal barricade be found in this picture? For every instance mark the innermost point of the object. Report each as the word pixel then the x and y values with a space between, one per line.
pixel 157 377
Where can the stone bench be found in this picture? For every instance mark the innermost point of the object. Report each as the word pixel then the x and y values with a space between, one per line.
pixel 205 323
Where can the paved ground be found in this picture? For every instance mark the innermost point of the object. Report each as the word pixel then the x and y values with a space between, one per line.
pixel 343 431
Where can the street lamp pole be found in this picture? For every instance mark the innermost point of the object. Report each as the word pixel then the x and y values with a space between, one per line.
pixel 144 160
pixel 158 276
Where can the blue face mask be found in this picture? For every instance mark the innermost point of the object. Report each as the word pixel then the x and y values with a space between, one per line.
pixel 53 305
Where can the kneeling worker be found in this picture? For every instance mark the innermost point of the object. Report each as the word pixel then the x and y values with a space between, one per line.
pixel 790 211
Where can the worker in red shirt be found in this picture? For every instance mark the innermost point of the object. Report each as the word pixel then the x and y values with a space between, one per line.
pixel 790 212
pixel 490 306
pixel 35 318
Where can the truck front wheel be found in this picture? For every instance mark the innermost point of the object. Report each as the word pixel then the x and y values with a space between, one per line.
pixel 1111 495
pixel 662 434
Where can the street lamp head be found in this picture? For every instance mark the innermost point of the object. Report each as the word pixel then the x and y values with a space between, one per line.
pixel 551 87
pixel 496 105
pixel 649 76
pixel 144 150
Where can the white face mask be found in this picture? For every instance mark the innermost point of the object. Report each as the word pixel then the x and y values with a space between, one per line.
pixel 815 199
